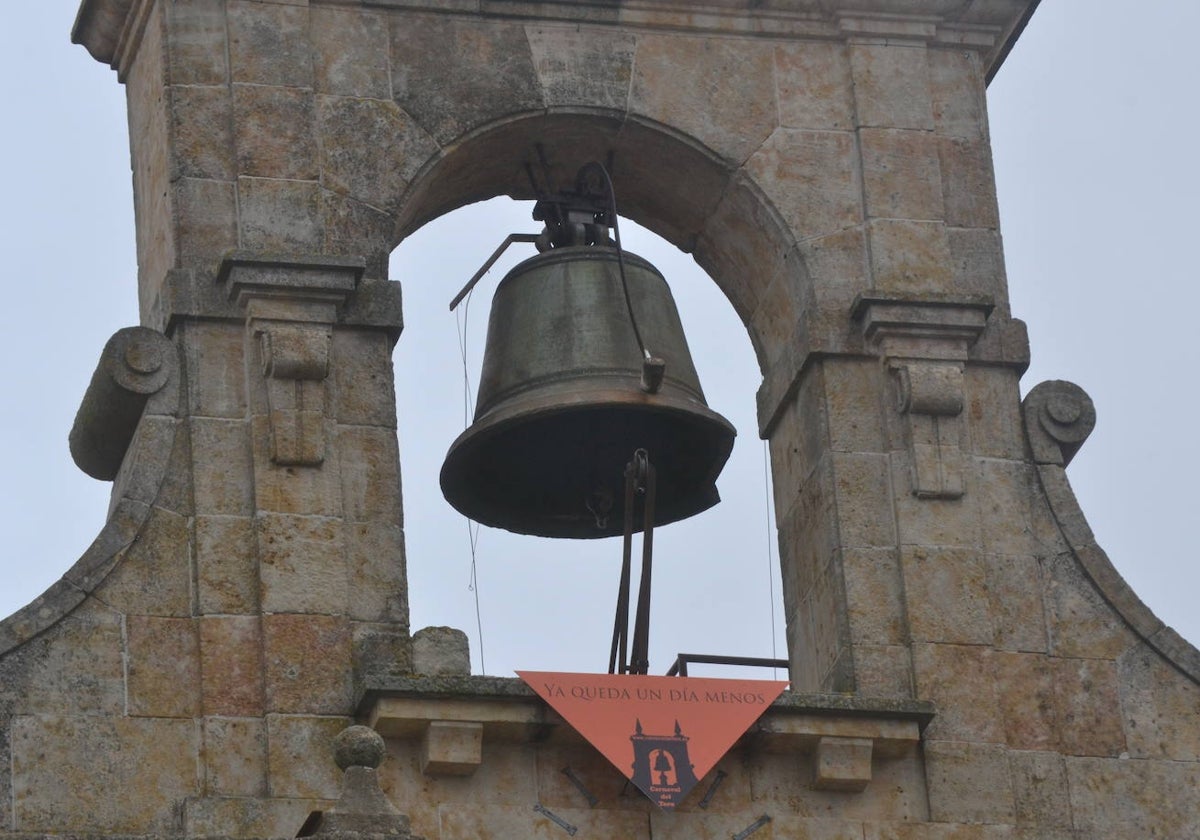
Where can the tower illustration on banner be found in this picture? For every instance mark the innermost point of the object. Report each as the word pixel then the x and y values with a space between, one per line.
pixel 661 766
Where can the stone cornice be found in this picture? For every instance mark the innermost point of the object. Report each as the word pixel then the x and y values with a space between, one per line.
pixel 110 29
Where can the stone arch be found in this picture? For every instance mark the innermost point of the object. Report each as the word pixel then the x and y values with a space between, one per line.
pixel 719 215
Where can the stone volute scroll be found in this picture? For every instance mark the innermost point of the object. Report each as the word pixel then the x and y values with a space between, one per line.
pixel 924 342
pixel 1059 416
pixel 136 363
pixel 291 306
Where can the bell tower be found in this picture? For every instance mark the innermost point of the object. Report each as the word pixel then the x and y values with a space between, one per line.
pixel 964 661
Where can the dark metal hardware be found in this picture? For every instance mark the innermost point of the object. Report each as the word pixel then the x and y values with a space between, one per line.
pixel 753 827
pixel 681 662
pixel 556 819
pixel 591 798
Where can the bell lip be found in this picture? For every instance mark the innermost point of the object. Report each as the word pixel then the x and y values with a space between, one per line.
pixel 719 429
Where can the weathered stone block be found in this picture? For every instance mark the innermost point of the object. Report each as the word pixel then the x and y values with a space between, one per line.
pixel 855 404
pixel 206 221
pixel 1160 708
pixel 226 565
pixel 723 104
pixel 968 783
pixel 297 490
pixel 1115 798
pixel 268 44
pixel 370 472
pixel 350 49
pixel 1088 707
pixel 451 748
pixel 947 596
pixel 202 138
pixel 978 266
pixel 213 357
pixel 891 85
pixel 440 651
pixel 592 65
pixel 197 48
pixel 154 575
pixel 370 149
pixel 883 671
pixel 909 256
pixel 744 246
pixel 275 136
pixel 277 216
pixel 163 666
pixel 1039 781
pixel 934 522
pixel 300 755
pixel 212 816
pixel 874 596
pixel 231 669
pixel 234 756
pixel 896 792
pixel 221 467
pixel 355 229
pixel 364 392
pixel 523 821
pixel 1015 593
pixel 75 667
pixel 837 265
pixel 797 445
pixel 901 179
pixel 1081 623
pixel 1025 688
pixel 302 564
pixel 959 680
pixel 492 74
pixel 958 92
pixel 842 764
pixel 812 178
pixel 378 586
pixel 864 500
pixel 968 183
pixel 382 651
pixel 151 762
pixel 812 82
pixel 308 664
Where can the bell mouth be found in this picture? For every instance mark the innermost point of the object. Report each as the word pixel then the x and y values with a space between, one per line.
pixel 519 467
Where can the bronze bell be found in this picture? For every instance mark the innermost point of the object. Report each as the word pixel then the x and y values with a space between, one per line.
pixel 561 409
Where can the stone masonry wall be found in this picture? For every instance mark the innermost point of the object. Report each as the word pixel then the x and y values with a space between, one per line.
pixel 828 164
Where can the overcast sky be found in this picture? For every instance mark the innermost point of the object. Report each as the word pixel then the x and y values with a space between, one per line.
pixel 1093 118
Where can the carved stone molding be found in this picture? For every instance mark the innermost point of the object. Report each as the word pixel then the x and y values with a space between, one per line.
pixel 925 342
pixel 291 306
pixel 1059 416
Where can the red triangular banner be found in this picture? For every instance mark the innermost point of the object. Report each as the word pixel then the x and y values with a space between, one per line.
pixel 663 733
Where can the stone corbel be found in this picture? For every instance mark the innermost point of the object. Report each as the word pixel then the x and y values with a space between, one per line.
pixel 925 342
pixel 295 359
pixel 291 306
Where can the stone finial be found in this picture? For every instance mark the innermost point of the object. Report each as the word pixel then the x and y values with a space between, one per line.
pixel 1059 416
pixel 362 812
pixel 358 746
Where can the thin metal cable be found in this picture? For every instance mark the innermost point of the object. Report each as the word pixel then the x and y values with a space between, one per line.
pixel 468 411
pixel 770 560
pixel 612 208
